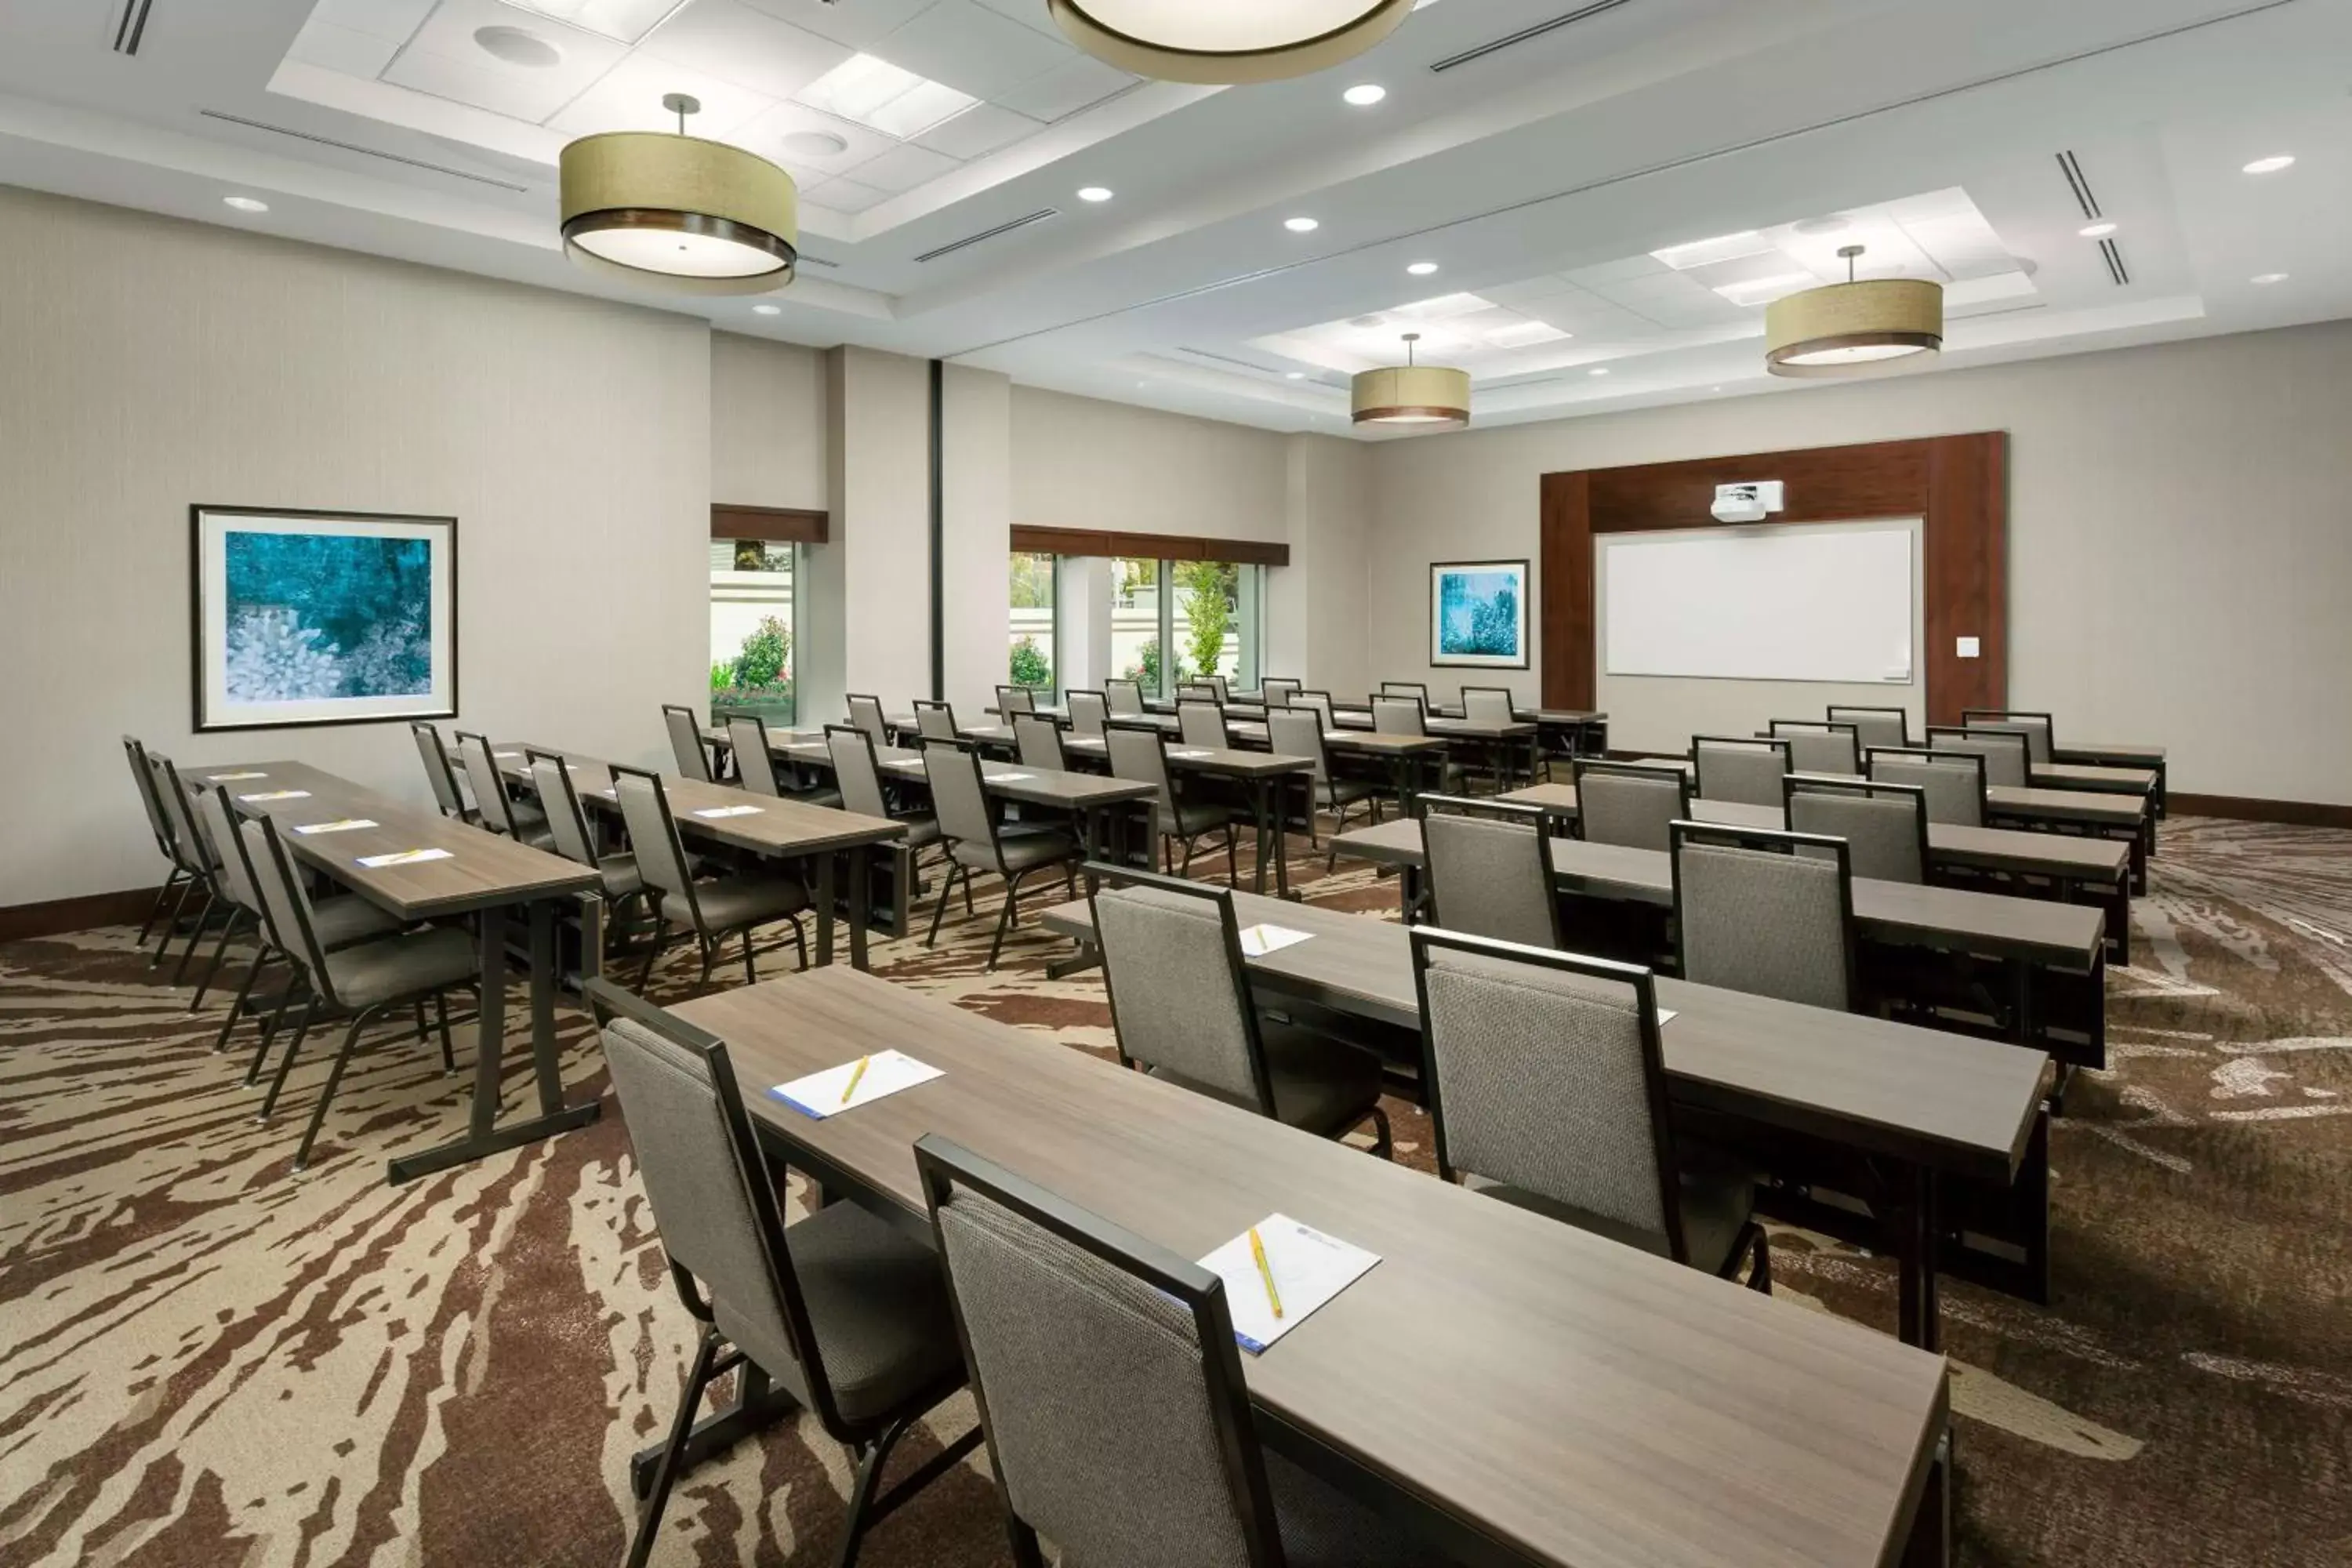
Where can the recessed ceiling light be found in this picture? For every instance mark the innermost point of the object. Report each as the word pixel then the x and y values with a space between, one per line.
pixel 813 144
pixel 1301 225
pixel 767 310
pixel 247 203
pixel 1600 370
pixel 1706 252
pixel 1715 389
pixel 623 21
pixel 2270 165
pixel 883 97
pixel 1422 269
pixel 2096 230
pixel 1294 375
pixel 518 46
pixel 2264 279
pixel 1094 193
pixel 1363 95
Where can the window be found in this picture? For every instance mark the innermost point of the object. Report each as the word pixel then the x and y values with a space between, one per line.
pixel 751 628
pixel 1032 664
pixel 1135 628
pixel 1216 620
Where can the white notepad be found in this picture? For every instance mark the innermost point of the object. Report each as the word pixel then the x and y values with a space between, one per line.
pixel 1190 753
pixel 401 857
pixel 1335 734
pixel 345 826
pixel 512 755
pixel 718 811
pixel 1260 939
pixel 1666 1016
pixel 1308 1269
pixel 1009 778
pixel 231 778
pixel 821 1094
pixel 277 794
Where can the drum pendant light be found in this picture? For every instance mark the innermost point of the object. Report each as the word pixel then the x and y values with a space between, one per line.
pixel 1226 42
pixel 678 212
pixel 1412 393
pixel 1839 328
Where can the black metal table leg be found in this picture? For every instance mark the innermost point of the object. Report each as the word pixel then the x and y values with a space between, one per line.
pixel 1918 1308
pixel 860 890
pixel 824 896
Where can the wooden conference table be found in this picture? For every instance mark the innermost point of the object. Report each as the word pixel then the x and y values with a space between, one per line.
pixel 1519 1392
pixel 484 875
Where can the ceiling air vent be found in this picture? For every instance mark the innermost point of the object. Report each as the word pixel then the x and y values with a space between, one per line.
pixel 1040 216
pixel 363 151
pixel 131 27
pixel 1529 34
pixel 2079 184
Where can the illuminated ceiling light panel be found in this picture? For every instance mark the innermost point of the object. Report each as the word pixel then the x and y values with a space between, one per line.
pixel 1444 307
pixel 883 97
pixel 1525 335
pixel 1704 252
pixel 1764 290
pixel 623 21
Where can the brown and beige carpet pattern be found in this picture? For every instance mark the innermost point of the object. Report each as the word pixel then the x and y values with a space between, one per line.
pixel 207 1360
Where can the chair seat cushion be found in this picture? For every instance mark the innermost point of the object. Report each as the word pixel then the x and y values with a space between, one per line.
pixel 1320 1085
pixel 1197 816
pixel 751 898
pixel 409 964
pixel 1717 1206
pixel 1022 851
pixel 338 922
pixel 922 831
pixel 1345 792
pixel 621 875
pixel 879 1308
pixel 831 797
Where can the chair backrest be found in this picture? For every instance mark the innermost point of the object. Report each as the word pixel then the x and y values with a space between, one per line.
pixel 437 771
pixel 2040 729
pixel 488 784
pixel 1295 732
pixel 1748 771
pixel 1198 691
pixel 1621 803
pixel 1952 783
pixel 1417 691
pixel 957 794
pixel 1399 716
pixel 1315 703
pixel 1753 914
pixel 854 771
pixel 712 1192
pixel 1139 752
pixel 1820 748
pixel 653 839
pixel 1180 997
pixel 1039 739
pixel 286 898
pixel 1275 690
pixel 143 778
pixel 1542 1071
pixel 1202 724
pixel 1011 700
pixel 686 747
pixel 755 765
pixel 1490 705
pixel 866 713
pixel 1088 711
pixel 2008 763
pixel 1884 825
pixel 1070 1326
pixel 1874 726
pixel 559 797
pixel 1489 868
pixel 1125 697
pixel 216 820
pixel 935 720
pixel 192 850
pixel 1216 683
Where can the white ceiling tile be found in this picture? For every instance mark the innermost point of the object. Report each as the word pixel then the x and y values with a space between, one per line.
pixel 1030 14
pixel 334 48
pixel 845 195
pixel 972 48
pixel 1619 271
pixel 629 98
pixel 978 130
pixel 903 168
pixel 393 19
pixel 782 136
pixel 857 23
pixel 728 39
pixel 1077 83
pixel 445 59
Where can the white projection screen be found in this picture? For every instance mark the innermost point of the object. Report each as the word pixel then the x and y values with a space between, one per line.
pixel 1827 603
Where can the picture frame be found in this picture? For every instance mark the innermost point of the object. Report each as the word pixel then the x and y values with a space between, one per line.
pixel 303 619
pixel 1478 614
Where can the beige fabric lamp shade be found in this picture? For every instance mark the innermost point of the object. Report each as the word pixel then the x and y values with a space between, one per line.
pixel 1428 395
pixel 1226 42
pixel 1837 330
pixel 680 212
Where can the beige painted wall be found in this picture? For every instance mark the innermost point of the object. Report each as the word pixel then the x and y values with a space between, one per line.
pixel 147 365
pixel 2180 534
pixel 767 423
pixel 1080 463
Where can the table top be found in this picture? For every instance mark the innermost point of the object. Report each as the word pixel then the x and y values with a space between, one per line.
pixel 2124 752
pixel 1207 759
pixel 1527 715
pixel 1360 742
pixel 1565 1396
pixel 2085 775
pixel 482 870
pixel 780 827
pixel 1009 781
pixel 2005 800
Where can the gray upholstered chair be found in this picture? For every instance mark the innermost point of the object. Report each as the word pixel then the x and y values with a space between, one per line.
pixel 1198 691
pixel 494 808
pixel 1276 690
pixel 575 840
pixel 1953 782
pixel 1216 683
pixel 936 721
pixel 2040 729
pixel 364 982
pixel 1139 752
pixel 1816 748
pixel 1621 803
pixel 859 775
pixel 1754 912
pixel 1317 703
pixel 977 841
pixel 1181 1003
pixel 2008 764
pixel 1124 697
pixel 1038 743
pixel 1884 825
pixel 866 713
pixel 710 909
pixel 1199 723
pixel 192 867
pixel 176 879
pixel 1546 1088
pixel 1490 705
pixel 1011 700
pixel 1071 1326
pixel 1400 716
pixel 686 747
pixel 1489 869
pixel 1417 691
pixel 1748 771
pixel 1088 711
pixel 1874 726
pixel 755 763
pixel 438 772
pixel 839 1312
pixel 1297 733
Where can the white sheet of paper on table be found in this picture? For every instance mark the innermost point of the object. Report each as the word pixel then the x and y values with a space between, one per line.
pixel 277 794
pixel 1188 754
pixel 1260 939
pixel 1009 778
pixel 820 1093
pixel 1308 1268
pixel 231 778
pixel 346 826
pixel 1666 1016
pixel 401 857
pixel 717 811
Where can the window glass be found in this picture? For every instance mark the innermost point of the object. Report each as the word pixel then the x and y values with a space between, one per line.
pixel 751 628
pixel 1205 620
pixel 1031 663
pixel 1135 623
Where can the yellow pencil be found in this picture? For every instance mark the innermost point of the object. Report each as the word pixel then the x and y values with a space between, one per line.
pixel 1266 1271
pixel 857 1073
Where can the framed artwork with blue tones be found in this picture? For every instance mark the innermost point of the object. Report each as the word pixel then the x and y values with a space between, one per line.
pixel 322 617
pixel 1478 613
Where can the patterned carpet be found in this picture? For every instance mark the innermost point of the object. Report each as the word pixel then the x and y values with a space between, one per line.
pixel 205 1360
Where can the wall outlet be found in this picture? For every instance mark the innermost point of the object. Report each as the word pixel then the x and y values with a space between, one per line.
pixel 1971 647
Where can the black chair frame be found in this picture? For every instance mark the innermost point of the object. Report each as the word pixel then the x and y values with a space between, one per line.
pixel 967 754
pixel 1793 786
pixel 1582 766
pixel 707 942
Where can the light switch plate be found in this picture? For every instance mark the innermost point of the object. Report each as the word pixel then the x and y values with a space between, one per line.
pixel 1971 647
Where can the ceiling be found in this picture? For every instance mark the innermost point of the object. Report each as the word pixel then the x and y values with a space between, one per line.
pixel 1586 205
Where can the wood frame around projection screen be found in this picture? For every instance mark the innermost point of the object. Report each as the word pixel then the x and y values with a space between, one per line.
pixel 1958 485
